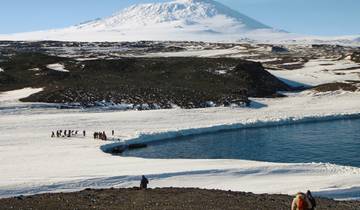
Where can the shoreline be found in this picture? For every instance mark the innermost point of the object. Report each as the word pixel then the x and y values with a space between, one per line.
pixel 167 135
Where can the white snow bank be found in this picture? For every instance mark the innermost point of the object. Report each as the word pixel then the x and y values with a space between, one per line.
pixel 57 67
pixel 16 95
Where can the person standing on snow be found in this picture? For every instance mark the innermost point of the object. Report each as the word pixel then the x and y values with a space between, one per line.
pixel 104 136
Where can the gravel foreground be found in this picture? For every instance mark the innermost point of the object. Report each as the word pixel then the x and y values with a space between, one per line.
pixel 167 198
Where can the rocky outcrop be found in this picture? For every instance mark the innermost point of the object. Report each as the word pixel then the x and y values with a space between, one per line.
pixel 144 82
pixel 356 57
pixel 278 49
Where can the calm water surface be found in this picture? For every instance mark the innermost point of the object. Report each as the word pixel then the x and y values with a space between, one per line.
pixel 335 142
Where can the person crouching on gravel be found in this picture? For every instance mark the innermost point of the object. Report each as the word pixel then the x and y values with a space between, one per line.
pixel 301 202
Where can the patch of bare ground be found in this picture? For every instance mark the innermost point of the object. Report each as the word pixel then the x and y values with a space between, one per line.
pixel 336 86
pixel 166 198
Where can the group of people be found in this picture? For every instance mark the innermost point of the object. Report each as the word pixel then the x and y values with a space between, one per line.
pixel 66 133
pixel 71 133
pixel 303 201
pixel 101 135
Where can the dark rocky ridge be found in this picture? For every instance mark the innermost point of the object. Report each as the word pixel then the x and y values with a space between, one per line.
pixel 167 198
pixel 186 82
pixel 114 50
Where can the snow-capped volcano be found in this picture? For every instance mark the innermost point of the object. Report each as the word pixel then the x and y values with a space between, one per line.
pixel 198 20
pixel 204 14
pixel 179 20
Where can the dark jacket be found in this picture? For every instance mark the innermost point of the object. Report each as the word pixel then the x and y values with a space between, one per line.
pixel 144 182
pixel 312 200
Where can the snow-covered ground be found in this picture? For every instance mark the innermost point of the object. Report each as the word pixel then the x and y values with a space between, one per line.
pixel 233 52
pixel 57 67
pixel 32 162
pixel 14 96
pixel 320 71
pixel 34 69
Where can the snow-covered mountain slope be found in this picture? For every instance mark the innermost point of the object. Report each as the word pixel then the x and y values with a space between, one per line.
pixel 178 14
pixel 178 20
pixel 198 20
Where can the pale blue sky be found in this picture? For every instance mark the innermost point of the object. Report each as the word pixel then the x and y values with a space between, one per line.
pixel 318 17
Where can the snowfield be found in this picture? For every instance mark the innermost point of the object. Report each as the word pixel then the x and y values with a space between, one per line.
pixel 320 71
pixel 32 162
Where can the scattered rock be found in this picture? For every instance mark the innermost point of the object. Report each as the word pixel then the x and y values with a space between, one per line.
pixel 336 86
pixel 278 49
pixel 356 57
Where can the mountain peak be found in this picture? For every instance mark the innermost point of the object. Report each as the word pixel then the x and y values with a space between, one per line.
pixel 178 13
pixel 177 20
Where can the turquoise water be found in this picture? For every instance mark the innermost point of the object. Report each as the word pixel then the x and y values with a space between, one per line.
pixel 335 142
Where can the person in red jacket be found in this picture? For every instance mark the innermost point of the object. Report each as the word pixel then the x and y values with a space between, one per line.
pixel 301 202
